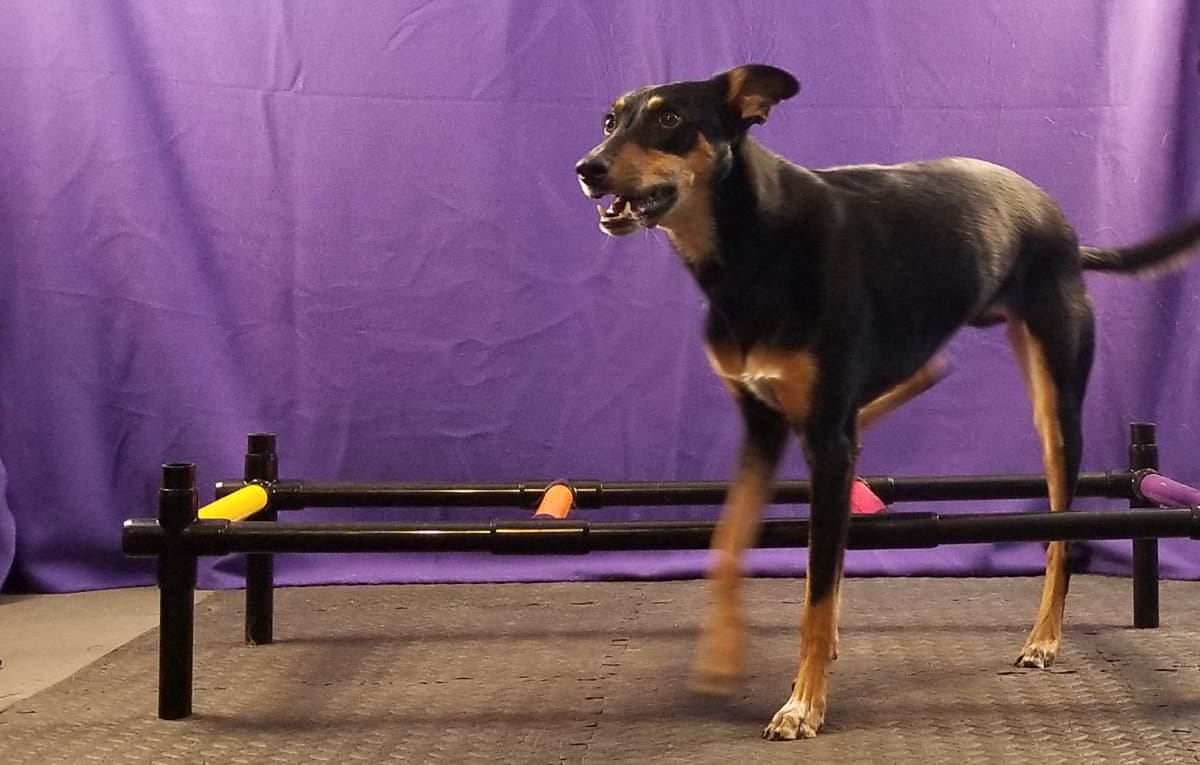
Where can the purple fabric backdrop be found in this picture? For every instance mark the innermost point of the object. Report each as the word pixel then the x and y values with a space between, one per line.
pixel 356 225
pixel 8 528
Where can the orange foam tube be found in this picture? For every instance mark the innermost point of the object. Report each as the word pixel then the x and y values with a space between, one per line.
pixel 556 502
pixel 238 506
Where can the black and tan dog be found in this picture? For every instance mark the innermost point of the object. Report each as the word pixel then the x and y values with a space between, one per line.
pixel 830 293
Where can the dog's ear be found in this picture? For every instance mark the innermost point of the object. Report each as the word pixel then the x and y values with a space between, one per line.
pixel 753 89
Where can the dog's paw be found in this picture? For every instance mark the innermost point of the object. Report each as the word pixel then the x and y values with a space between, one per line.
pixel 713 684
pixel 798 718
pixel 1038 654
pixel 719 661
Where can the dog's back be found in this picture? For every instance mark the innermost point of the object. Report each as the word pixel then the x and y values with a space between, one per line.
pixel 945 216
pixel 919 248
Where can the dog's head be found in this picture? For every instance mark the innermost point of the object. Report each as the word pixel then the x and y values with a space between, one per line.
pixel 663 142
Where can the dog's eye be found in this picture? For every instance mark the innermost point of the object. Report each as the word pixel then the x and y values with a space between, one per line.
pixel 610 123
pixel 668 118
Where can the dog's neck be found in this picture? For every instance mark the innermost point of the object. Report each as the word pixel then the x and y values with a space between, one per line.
pixel 691 226
pixel 751 193
pixel 721 211
pixel 692 230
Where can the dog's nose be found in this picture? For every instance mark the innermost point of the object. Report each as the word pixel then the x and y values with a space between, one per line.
pixel 592 171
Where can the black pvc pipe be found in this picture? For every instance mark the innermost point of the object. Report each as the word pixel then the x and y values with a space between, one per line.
pixel 261 464
pixel 178 502
pixel 295 495
pixel 886 531
pixel 1143 456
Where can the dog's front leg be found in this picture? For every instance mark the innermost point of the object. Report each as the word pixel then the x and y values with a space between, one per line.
pixel 829 447
pixel 720 657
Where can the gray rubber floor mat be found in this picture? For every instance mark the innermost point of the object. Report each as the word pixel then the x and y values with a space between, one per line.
pixel 597 673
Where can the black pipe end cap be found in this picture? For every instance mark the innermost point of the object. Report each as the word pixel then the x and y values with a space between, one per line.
pixel 179 476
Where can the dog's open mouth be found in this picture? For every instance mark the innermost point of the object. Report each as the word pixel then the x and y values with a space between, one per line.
pixel 627 213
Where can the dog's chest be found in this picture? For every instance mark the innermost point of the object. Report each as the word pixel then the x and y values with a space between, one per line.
pixel 783 380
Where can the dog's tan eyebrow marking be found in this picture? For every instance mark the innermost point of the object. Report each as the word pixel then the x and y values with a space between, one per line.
pixel 654 102
pixel 619 104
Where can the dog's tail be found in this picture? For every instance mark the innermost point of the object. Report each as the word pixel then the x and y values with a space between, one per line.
pixel 1158 254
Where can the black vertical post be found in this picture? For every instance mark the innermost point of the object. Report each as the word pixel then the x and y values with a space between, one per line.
pixel 177 505
pixel 262 465
pixel 1143 455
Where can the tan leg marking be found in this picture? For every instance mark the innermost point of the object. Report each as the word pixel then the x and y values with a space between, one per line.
pixel 837 619
pixel 804 712
pixel 789 377
pixel 720 658
pixel 1046 636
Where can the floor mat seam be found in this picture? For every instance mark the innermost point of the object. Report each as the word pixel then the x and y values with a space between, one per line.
pixel 609 667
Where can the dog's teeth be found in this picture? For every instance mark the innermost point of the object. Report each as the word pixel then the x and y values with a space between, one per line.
pixel 600 210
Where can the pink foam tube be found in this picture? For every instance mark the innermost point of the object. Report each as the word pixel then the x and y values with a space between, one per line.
pixel 1164 491
pixel 863 501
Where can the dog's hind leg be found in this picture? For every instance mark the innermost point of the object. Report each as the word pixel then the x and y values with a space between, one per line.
pixel 906 390
pixel 1053 343
pixel 722 644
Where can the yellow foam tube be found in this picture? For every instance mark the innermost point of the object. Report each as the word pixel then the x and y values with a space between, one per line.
pixel 238 506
